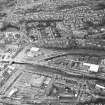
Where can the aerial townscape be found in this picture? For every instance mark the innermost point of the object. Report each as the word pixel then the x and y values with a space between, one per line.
pixel 52 52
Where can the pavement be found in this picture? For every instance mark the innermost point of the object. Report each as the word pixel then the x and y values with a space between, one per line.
pixel 10 82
